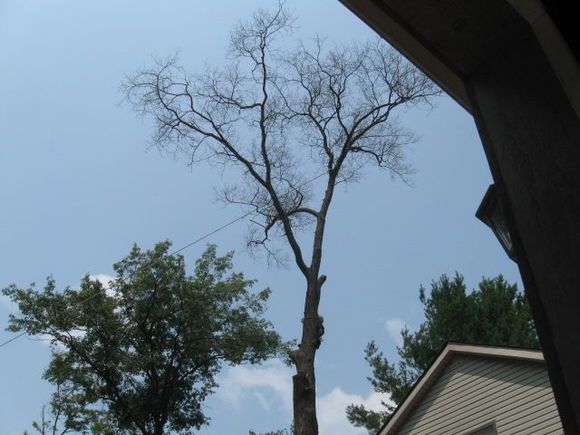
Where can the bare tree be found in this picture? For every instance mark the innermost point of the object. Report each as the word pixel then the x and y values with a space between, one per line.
pixel 286 117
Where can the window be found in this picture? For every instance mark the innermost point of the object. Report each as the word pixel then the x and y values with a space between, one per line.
pixel 486 430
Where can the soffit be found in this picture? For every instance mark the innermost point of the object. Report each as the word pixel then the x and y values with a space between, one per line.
pixel 447 39
pixel 464 34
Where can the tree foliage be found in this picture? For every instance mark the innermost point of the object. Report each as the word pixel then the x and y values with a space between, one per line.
pixel 141 354
pixel 493 314
pixel 66 414
pixel 287 116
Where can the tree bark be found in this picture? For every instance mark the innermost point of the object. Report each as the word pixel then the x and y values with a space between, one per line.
pixel 304 381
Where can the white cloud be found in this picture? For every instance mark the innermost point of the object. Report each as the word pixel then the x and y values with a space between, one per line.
pixel 271 384
pixel 105 280
pixel 394 327
pixel 47 339
pixel 332 411
pixel 272 378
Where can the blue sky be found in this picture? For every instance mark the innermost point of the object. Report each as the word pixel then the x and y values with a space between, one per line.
pixel 79 185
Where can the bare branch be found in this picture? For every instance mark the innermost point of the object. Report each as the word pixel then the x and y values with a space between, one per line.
pixel 280 116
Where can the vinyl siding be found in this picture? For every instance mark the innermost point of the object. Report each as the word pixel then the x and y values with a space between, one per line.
pixel 473 391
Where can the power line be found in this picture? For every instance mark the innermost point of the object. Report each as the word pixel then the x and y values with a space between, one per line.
pixel 205 236
pixel 12 339
pixel 239 218
pixel 199 239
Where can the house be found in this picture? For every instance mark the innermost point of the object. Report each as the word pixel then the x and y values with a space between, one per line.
pixel 480 390
pixel 515 66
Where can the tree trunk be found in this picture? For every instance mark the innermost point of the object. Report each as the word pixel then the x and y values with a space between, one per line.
pixel 304 382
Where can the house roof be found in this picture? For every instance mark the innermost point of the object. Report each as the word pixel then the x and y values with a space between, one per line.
pixel 449 43
pixel 439 364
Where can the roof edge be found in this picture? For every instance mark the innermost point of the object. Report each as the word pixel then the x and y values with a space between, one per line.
pixel 388 26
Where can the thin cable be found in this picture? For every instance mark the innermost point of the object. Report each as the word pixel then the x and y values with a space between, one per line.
pixel 12 339
pixel 205 236
pixel 239 218
pixel 199 239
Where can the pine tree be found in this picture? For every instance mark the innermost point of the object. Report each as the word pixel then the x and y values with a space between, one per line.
pixel 493 314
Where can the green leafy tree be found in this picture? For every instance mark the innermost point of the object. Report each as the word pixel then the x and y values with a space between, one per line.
pixel 493 314
pixel 66 415
pixel 141 354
